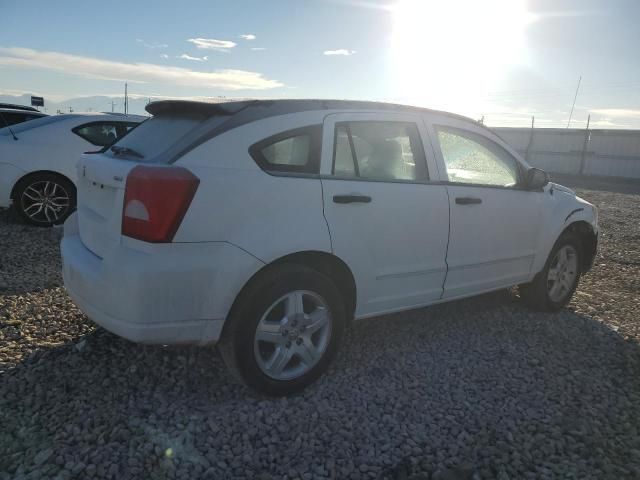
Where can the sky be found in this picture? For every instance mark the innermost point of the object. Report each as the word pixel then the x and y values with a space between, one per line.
pixel 501 60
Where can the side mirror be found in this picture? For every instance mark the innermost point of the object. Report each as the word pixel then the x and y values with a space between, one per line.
pixel 536 179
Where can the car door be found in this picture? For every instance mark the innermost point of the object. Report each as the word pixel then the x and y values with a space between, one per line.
pixel 388 221
pixel 494 221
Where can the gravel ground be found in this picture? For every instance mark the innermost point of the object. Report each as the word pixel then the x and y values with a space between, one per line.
pixel 481 388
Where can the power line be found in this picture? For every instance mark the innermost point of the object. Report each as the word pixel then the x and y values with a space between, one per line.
pixel 574 101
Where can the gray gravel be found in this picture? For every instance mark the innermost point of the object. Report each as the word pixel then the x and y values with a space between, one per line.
pixel 481 388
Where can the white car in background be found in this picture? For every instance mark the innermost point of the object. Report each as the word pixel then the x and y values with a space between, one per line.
pixel 267 226
pixel 38 160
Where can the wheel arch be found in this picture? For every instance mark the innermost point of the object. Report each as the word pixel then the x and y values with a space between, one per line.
pixel 326 263
pixel 35 173
pixel 588 241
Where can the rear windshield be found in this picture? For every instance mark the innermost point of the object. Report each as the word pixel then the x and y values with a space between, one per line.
pixel 159 133
pixel 31 124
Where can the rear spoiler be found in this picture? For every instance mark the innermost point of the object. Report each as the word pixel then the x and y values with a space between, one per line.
pixel 201 108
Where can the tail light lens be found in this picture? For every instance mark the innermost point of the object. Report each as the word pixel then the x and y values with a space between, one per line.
pixel 155 202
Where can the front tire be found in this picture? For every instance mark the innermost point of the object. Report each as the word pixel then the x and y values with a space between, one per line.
pixel 553 287
pixel 284 330
pixel 45 199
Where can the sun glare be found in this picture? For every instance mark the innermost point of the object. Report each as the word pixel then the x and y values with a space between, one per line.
pixel 446 53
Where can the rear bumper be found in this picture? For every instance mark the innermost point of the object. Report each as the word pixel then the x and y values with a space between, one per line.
pixel 179 295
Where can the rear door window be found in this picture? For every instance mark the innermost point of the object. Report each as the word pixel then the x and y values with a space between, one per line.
pixel 375 150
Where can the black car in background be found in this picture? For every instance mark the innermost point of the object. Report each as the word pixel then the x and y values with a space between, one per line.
pixel 11 114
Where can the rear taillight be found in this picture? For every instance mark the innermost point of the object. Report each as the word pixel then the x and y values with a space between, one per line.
pixel 155 201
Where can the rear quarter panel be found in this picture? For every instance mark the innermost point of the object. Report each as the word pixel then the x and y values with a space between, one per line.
pixel 268 216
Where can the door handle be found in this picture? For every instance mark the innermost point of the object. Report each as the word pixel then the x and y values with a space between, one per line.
pixel 351 199
pixel 468 200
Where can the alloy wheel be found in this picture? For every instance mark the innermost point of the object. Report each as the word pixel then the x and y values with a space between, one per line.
pixel 292 335
pixel 562 273
pixel 45 201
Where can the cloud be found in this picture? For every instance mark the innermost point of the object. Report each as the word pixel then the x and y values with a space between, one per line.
pixel 340 51
pixel 248 36
pixel 212 44
pixel 610 124
pixel 164 55
pixel 258 49
pixel 184 56
pixel 134 72
pixel 617 112
pixel 151 45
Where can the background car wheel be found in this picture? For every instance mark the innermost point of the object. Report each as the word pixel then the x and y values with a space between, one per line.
pixel 554 286
pixel 284 330
pixel 45 199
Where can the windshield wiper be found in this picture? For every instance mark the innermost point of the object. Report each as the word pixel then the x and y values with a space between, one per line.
pixel 125 151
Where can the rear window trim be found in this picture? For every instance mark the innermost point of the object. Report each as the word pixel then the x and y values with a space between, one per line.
pixel 311 168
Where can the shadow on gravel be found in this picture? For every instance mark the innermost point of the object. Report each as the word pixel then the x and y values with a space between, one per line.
pixel 480 386
pixel 9 216
pixel 29 256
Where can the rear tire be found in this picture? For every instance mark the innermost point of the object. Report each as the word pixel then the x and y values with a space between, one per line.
pixel 284 330
pixel 44 199
pixel 553 287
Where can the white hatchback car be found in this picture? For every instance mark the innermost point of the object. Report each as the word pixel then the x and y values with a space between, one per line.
pixel 38 160
pixel 267 226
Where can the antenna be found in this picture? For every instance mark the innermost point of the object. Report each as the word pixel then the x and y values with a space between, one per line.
pixel 574 101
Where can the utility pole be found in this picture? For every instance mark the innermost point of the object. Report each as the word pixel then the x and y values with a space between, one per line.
pixel 574 101
pixel 585 145
pixel 126 99
pixel 70 110
pixel 113 104
pixel 533 122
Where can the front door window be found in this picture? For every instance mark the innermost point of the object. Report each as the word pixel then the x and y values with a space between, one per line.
pixel 473 159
